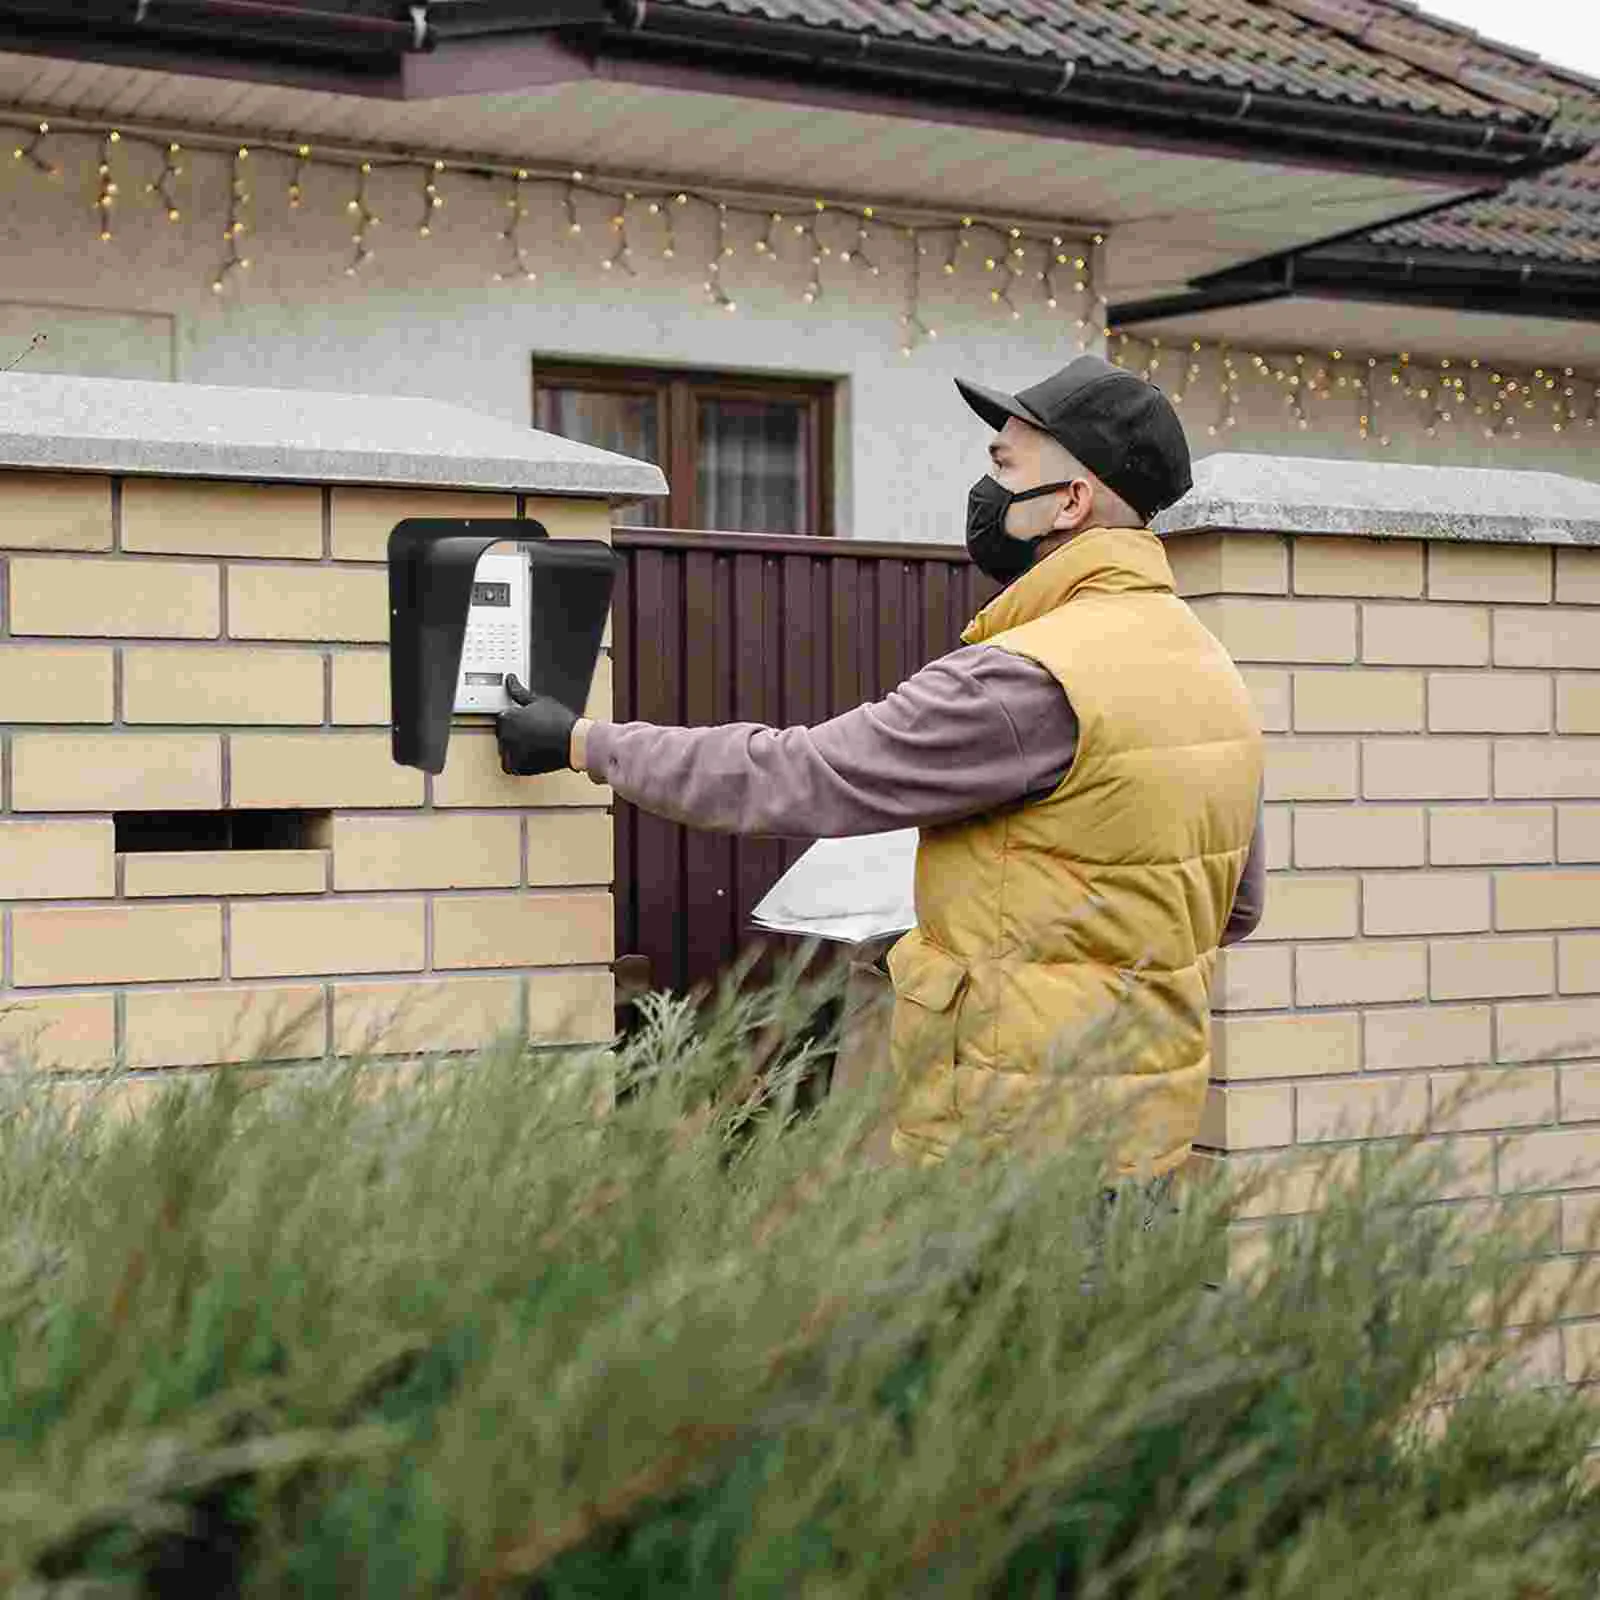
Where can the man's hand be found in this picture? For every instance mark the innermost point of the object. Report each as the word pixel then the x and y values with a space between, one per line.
pixel 536 735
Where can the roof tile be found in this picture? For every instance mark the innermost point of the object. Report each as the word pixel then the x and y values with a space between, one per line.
pixel 1255 42
pixel 1381 53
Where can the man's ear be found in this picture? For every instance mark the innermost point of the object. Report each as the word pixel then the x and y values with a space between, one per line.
pixel 1075 507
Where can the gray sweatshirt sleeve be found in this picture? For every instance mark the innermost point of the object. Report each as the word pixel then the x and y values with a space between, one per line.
pixel 974 730
pixel 1251 898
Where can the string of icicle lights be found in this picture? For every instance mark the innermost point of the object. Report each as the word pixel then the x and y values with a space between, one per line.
pixel 1023 270
pixel 1496 399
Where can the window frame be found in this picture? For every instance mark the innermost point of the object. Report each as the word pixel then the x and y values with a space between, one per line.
pixel 677 389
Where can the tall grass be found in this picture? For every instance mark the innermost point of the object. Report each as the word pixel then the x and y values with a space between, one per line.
pixel 567 1324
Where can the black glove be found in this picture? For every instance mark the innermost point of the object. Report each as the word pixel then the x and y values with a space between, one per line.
pixel 536 736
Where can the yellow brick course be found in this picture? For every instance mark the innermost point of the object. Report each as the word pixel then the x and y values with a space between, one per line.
pixel 571 1007
pixel 1579 962
pixel 227 685
pixel 1282 630
pixel 148 874
pixel 1320 906
pixel 418 1017
pixel 1434 768
pixel 1581 1342
pixel 1488 702
pixel 1288 1046
pixel 531 929
pixel 1425 635
pixel 1580 1099
pixel 1469 1166
pixel 1358 836
pixel 54 510
pixel 570 848
pixel 1552 637
pixel 1275 829
pixel 1491 969
pixel 287 938
pixel 1567 897
pixel 1360 1110
pixel 117 597
pixel 1561 1158
pixel 429 852
pixel 1356 701
pixel 1549 1030
pixel 1252 978
pixel 76 1032
pixel 1477 836
pixel 1310 769
pixel 1503 572
pixel 1580 1223
pixel 197 1027
pixel 347 605
pixel 1361 974
pixel 115 772
pixel 55 683
pixel 1355 566
pixel 570 516
pixel 361 687
pixel 64 945
pixel 1573 1283
pixel 472 777
pixel 1578 701
pixel 1295 1181
pixel 1578 576
pixel 1249 1118
pixel 320 770
pixel 1410 1037
pixel 1425 902
pixel 1269 690
pixel 1578 833
pixel 1547 769
pixel 56 860
pixel 1493 1097
pixel 363 518
pixel 194 516
pixel 1229 563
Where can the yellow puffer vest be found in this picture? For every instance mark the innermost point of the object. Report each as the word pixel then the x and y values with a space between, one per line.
pixel 1085 924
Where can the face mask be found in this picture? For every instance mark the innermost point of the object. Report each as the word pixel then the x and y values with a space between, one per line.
pixel 994 552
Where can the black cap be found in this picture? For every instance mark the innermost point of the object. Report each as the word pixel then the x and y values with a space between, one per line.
pixel 1121 428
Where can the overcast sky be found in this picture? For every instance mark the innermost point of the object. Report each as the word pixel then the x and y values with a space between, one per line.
pixel 1566 32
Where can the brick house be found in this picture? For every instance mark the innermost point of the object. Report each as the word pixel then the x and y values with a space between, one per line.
pixel 1320 170
pixel 1248 175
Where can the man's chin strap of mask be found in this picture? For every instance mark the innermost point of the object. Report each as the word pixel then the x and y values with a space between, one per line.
pixel 994 551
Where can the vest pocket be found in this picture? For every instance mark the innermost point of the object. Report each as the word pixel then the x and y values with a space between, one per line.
pixel 928 984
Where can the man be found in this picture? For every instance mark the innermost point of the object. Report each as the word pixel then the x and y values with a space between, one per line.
pixel 1085 772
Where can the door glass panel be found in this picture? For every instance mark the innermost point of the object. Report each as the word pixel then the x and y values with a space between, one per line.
pixel 753 466
pixel 629 424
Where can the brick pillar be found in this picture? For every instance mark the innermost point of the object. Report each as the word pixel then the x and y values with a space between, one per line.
pixel 1433 902
pixel 193 646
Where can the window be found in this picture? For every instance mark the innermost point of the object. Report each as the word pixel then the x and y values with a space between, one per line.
pixel 742 455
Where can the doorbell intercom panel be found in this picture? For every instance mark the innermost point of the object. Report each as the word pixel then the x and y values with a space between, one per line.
pixel 497 632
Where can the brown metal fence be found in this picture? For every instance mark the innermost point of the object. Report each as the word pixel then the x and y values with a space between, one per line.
pixel 722 627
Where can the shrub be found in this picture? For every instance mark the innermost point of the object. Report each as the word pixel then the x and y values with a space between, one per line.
pixel 589 1323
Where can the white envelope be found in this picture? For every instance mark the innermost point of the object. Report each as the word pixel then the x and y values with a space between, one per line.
pixel 846 889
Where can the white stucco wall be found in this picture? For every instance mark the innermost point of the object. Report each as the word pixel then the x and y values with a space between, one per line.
pixel 426 318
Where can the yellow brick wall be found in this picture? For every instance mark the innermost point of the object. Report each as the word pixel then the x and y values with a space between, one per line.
pixel 1433 904
pixel 176 644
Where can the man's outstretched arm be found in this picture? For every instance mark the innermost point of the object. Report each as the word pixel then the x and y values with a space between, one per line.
pixel 942 746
